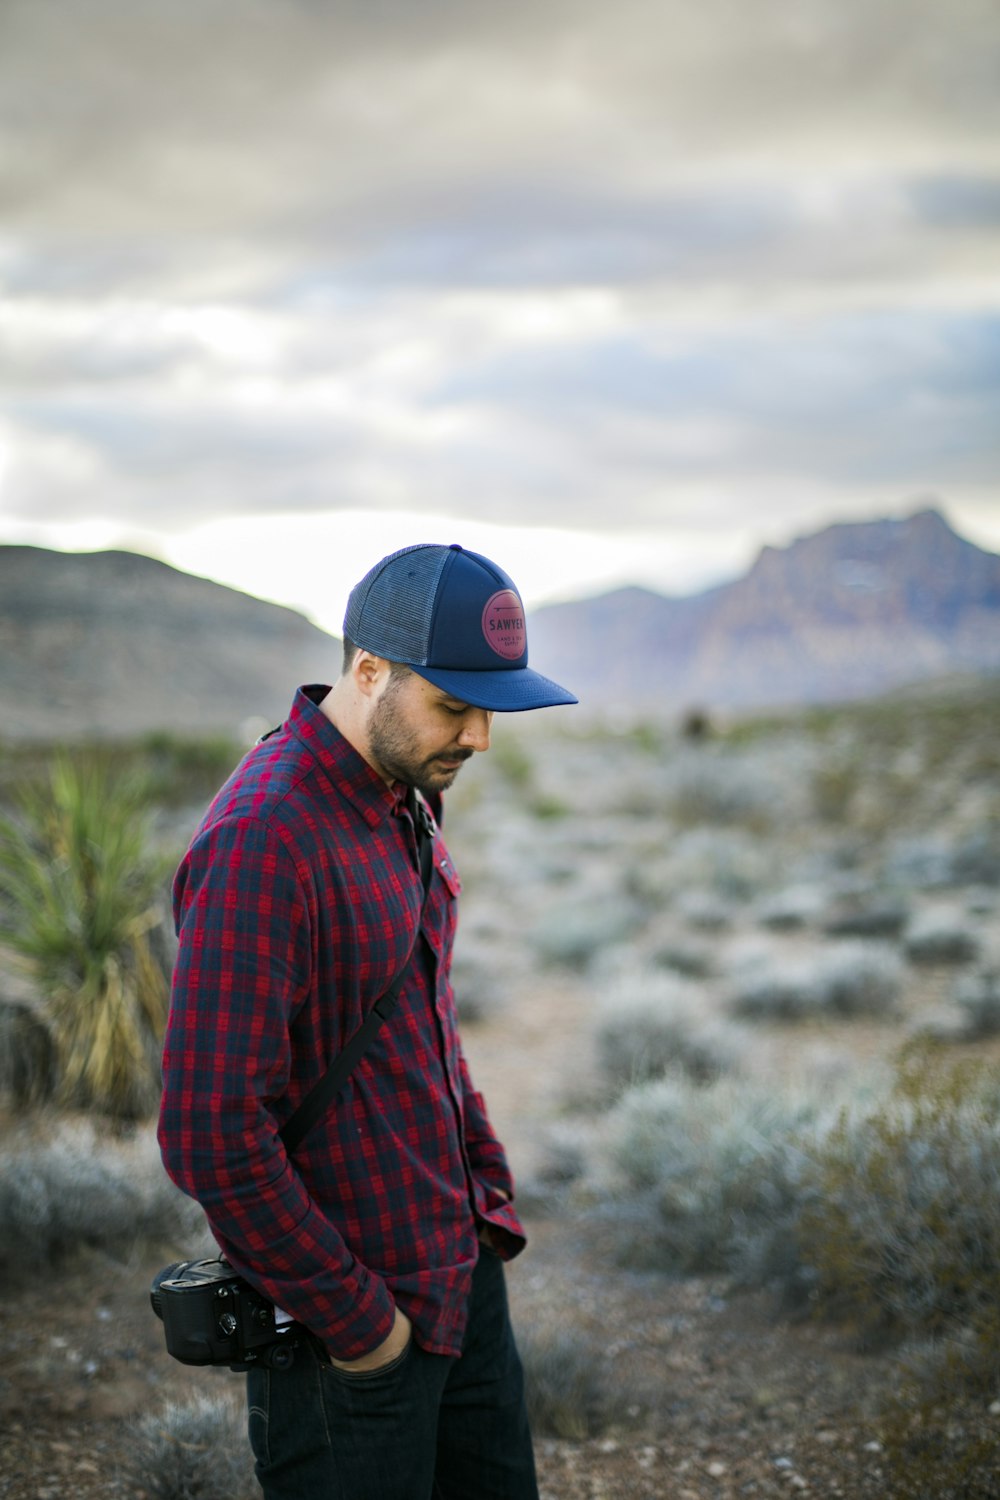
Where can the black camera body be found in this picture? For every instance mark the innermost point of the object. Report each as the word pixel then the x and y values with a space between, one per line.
pixel 211 1316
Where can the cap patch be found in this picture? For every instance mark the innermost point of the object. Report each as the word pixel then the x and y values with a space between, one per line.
pixel 503 625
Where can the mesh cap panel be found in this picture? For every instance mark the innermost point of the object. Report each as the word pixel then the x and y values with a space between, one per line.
pixel 390 610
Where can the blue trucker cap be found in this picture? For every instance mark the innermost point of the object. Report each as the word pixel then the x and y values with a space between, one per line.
pixel 456 619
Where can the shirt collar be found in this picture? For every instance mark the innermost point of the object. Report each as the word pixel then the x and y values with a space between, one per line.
pixel 349 770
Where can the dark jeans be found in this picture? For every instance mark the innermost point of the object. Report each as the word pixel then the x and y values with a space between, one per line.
pixel 426 1427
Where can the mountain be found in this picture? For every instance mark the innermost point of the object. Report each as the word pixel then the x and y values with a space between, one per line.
pixel 849 612
pixel 112 644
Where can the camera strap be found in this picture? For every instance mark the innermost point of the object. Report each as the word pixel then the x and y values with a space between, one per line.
pixel 322 1095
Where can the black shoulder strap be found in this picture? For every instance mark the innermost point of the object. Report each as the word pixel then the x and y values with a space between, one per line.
pixel 322 1095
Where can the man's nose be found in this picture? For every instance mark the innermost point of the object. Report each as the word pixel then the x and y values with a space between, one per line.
pixel 476 729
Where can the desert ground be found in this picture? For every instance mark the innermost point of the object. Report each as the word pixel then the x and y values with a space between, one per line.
pixel 728 925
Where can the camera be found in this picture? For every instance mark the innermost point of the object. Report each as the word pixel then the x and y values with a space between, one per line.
pixel 211 1316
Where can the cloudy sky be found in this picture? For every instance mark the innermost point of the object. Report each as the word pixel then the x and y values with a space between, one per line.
pixel 612 292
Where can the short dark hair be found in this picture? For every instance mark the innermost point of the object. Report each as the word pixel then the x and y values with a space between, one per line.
pixel 351 649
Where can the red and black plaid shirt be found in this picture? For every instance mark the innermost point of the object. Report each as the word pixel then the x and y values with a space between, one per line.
pixel 296 905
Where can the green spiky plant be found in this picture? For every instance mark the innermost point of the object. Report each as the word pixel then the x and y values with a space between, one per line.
pixel 80 903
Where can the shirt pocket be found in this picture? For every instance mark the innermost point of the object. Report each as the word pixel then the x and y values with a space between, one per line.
pixel 447 871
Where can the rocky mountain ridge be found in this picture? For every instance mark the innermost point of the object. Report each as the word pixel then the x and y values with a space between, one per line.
pixel 849 612
pixel 117 644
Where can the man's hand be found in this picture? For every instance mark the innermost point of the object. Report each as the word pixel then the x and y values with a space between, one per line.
pixel 386 1352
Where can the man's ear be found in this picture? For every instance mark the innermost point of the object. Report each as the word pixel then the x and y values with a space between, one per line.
pixel 369 673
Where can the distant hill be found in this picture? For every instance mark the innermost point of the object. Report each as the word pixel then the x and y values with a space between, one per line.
pixel 852 611
pixel 115 644
pixel 111 644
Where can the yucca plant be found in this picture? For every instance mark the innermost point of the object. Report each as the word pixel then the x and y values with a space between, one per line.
pixel 80 897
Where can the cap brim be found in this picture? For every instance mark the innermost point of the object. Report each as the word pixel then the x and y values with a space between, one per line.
pixel 502 691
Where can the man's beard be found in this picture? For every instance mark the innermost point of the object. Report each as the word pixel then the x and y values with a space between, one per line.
pixel 396 749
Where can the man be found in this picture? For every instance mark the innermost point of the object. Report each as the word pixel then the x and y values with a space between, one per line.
pixel 297 904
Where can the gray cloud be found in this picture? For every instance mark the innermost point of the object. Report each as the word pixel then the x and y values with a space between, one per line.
pixel 563 262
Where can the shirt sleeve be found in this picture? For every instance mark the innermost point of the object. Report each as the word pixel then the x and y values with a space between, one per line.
pixel 243 969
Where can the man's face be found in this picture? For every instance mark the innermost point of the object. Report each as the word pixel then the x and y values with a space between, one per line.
pixel 421 736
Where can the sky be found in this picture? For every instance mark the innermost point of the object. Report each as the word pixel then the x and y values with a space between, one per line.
pixel 611 293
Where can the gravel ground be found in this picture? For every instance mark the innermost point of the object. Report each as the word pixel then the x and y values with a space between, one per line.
pixel 717 1397
pixel 727 1401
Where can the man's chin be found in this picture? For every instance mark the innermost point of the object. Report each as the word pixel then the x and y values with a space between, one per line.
pixel 438 775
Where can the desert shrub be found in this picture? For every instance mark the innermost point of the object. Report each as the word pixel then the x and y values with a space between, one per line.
pixel 836 782
pixel 905 1233
pixel 192 1450
pixel 517 772
pixel 792 907
pixel 649 1023
pixel 563 1157
pixel 723 789
pixel 980 901
pixel 904 1236
pixel 875 914
pixel 648 737
pixel 513 762
pixel 649 878
pixel 82 905
pixel 978 995
pixel 845 980
pixel 480 976
pixel 547 805
pixel 184 768
pixel 729 862
pixel 28 1063
pixel 722 1172
pixel 574 933
pixel 941 936
pixel 705 910
pixel 693 959
pixel 921 862
pixel 977 857
pixel 74 1188
pixel 567 1389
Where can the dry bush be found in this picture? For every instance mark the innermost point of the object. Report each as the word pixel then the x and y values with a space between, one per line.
pixel 569 1390
pixel 480 976
pixel 722 1171
pixel 649 1023
pixel 868 914
pixel 978 996
pixel 572 934
pixel 185 770
pixel 792 907
pixel 941 936
pixel 728 862
pixel 692 957
pixel 713 786
pixel 904 1236
pixel 843 980
pixel 74 1187
pixel 192 1450
pixel 29 1067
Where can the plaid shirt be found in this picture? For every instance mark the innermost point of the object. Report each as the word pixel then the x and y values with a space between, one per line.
pixel 296 905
